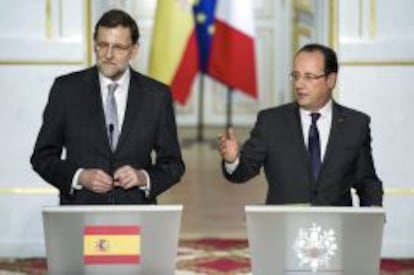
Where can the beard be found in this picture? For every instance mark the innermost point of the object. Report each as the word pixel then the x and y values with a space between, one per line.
pixel 112 70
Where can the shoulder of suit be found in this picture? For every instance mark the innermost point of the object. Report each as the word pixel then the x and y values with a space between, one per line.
pixel 147 80
pixel 151 86
pixel 279 110
pixel 350 112
pixel 77 75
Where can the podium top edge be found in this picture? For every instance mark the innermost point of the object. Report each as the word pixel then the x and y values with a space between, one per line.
pixel 312 209
pixel 111 208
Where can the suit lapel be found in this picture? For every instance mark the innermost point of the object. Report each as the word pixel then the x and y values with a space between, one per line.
pixel 298 139
pixel 334 135
pixel 93 95
pixel 133 107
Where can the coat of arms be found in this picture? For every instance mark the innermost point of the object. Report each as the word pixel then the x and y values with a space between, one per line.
pixel 315 247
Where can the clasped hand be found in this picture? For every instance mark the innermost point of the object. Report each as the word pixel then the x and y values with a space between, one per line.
pixel 98 181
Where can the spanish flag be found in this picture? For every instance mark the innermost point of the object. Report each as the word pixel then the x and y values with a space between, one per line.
pixel 114 244
pixel 174 53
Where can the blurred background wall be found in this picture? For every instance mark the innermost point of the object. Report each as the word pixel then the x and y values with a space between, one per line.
pixel 41 39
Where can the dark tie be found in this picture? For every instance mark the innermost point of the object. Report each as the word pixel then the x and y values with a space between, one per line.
pixel 314 146
pixel 111 116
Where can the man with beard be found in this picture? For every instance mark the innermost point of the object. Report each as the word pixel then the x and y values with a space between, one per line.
pixel 103 126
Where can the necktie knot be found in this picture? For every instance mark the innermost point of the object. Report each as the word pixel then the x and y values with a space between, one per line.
pixel 315 117
pixel 111 88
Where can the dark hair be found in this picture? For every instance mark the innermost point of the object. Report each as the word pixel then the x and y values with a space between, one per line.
pixel 114 18
pixel 331 61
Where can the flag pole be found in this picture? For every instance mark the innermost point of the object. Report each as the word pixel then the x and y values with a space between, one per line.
pixel 199 136
pixel 200 114
pixel 229 106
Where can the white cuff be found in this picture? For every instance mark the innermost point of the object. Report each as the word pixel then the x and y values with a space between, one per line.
pixel 231 167
pixel 75 181
pixel 147 187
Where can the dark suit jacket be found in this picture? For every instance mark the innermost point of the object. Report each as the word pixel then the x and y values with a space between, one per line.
pixel 277 144
pixel 74 119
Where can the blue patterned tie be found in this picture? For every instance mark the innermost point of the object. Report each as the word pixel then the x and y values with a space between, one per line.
pixel 314 146
pixel 111 116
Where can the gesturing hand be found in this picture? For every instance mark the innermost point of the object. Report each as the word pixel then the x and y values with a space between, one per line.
pixel 228 146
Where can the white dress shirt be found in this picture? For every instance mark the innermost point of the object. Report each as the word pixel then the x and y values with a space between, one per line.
pixel 324 127
pixel 323 123
pixel 120 94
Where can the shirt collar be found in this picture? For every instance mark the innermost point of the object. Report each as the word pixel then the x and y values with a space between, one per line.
pixel 325 111
pixel 122 82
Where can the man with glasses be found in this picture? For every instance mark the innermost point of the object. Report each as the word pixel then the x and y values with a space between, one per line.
pixel 110 121
pixel 313 150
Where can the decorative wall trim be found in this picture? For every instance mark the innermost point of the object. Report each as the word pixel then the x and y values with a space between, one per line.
pixel 373 19
pixel 49 33
pixel 298 32
pixel 263 9
pixel 360 17
pixel 48 20
pixel 399 191
pixel 372 13
pixel 375 63
pixel 88 31
pixel 333 23
pixel 28 191
pixel 41 62
pixel 304 5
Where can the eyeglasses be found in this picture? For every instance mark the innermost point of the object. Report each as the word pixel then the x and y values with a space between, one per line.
pixel 308 77
pixel 103 47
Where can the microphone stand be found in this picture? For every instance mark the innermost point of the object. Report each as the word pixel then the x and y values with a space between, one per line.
pixel 111 162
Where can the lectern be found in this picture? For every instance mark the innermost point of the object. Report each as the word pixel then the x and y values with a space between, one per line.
pixel 315 240
pixel 94 240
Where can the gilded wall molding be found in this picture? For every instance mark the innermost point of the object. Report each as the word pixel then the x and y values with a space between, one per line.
pixel 304 5
pixel 377 63
pixel 333 25
pixel 88 31
pixel 28 191
pixel 48 20
pixel 49 30
pixel 40 62
pixel 373 19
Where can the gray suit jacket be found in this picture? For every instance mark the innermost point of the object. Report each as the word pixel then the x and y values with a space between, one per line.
pixel 74 119
pixel 277 144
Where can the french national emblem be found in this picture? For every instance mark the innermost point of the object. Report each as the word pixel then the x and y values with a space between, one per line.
pixel 315 247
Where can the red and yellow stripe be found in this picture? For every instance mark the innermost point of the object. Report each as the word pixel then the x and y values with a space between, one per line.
pixel 115 244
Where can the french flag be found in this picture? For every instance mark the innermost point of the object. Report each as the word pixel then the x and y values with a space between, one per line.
pixel 232 53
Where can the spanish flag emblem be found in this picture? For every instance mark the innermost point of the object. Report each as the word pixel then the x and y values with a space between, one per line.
pixel 114 244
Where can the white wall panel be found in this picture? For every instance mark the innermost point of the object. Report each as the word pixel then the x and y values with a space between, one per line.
pixel 39 40
pixel 24 90
pixel 42 31
pixel 385 94
pixel 376 30
pixel 376 50
pixel 25 19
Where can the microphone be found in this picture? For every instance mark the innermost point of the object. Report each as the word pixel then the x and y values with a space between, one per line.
pixel 111 134
pixel 111 161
